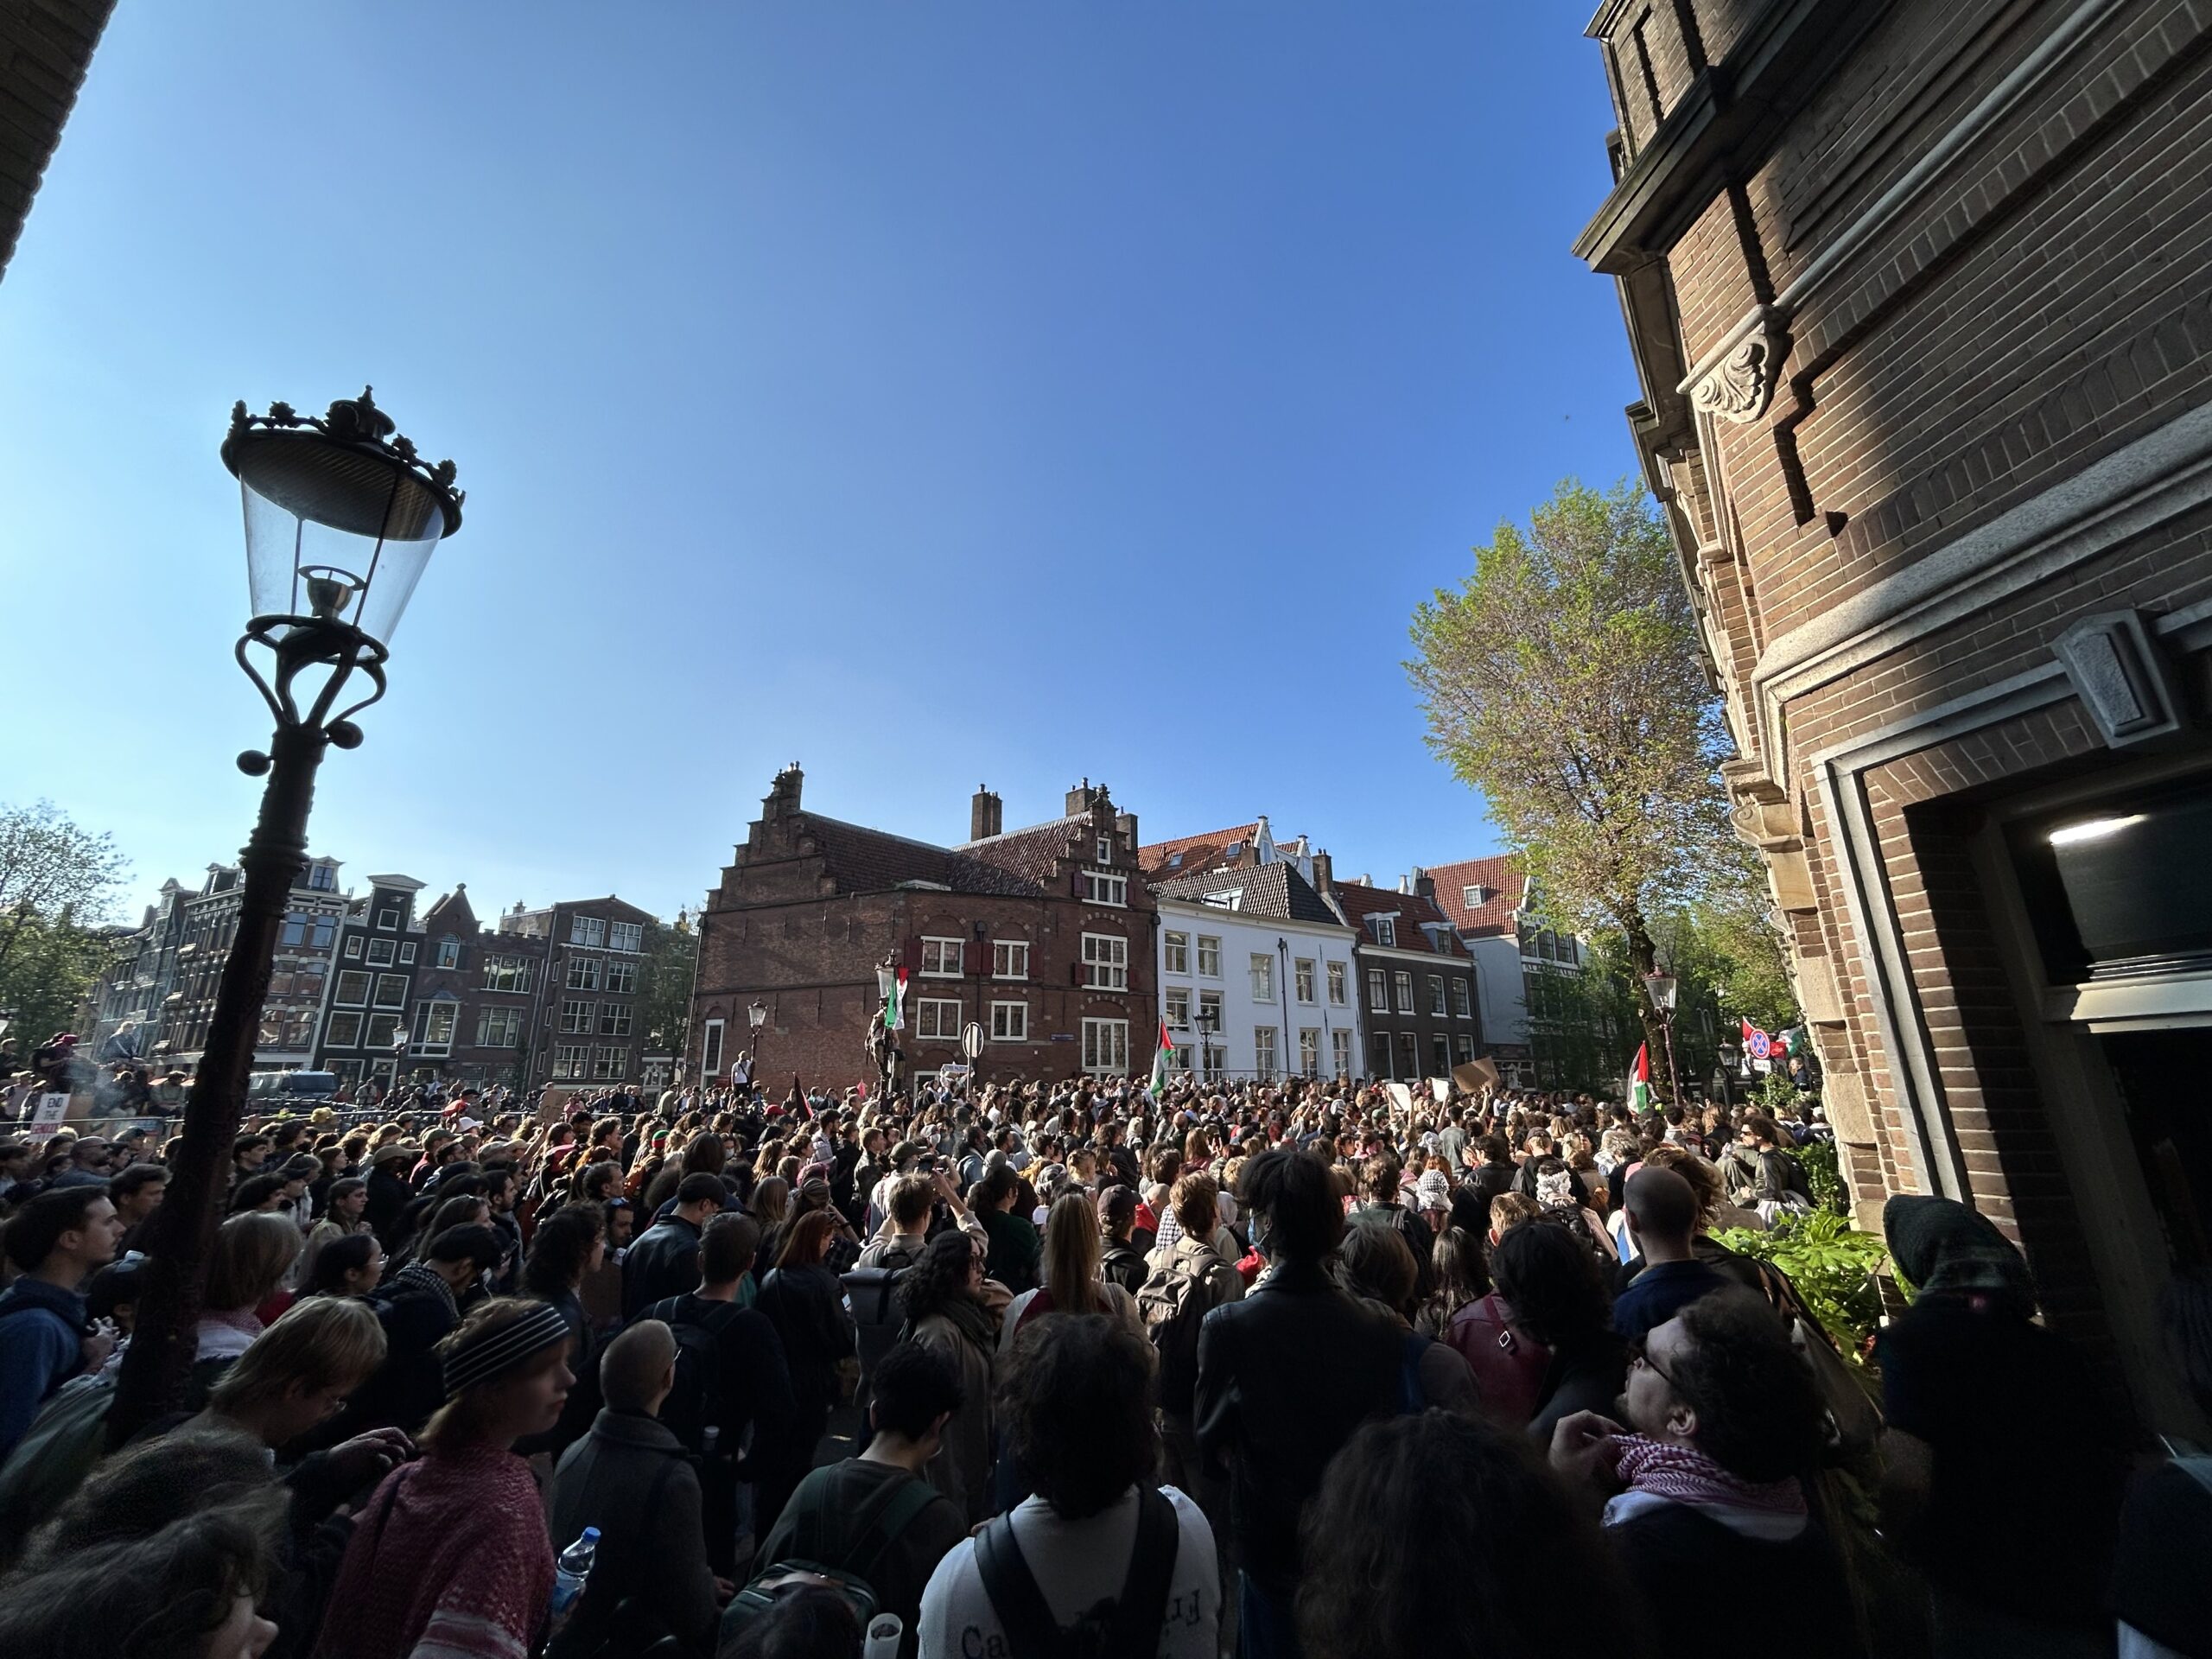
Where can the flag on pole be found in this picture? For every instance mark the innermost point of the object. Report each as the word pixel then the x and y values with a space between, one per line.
pixel 894 1011
pixel 1639 1080
pixel 1160 1056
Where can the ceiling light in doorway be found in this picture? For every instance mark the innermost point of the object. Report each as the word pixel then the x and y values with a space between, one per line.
pixel 2092 830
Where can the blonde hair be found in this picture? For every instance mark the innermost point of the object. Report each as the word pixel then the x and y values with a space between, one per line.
pixel 1073 1255
pixel 253 1251
pixel 318 1343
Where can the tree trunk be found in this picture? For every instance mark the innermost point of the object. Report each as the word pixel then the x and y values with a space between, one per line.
pixel 1643 958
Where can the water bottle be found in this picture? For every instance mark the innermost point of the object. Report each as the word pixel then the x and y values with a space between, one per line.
pixel 572 1569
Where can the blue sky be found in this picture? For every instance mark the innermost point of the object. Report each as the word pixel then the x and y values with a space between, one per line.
pixel 934 394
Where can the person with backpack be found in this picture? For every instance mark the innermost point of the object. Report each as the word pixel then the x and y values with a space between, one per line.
pixel 732 1384
pixel 55 1241
pixel 418 1307
pixel 1544 1273
pixel 872 1522
pixel 1121 1262
pixel 1188 1279
pixel 1380 1178
pixel 632 1479
pixel 805 1301
pixel 1100 1561
pixel 1378 1268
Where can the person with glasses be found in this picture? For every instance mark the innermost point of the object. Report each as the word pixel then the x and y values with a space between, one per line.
pixel 1705 1483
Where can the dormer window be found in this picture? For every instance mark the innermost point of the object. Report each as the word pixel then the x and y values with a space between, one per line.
pixel 1386 929
pixel 1175 861
pixel 1475 897
pixel 1105 849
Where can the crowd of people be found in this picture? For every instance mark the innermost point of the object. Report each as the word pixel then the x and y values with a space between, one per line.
pixel 1292 1368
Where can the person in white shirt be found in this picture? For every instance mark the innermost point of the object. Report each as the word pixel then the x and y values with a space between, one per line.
pixel 1098 1544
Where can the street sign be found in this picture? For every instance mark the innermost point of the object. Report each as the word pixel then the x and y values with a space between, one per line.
pixel 972 1040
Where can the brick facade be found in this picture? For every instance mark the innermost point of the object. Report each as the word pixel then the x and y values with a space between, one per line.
pixel 1917 296
pixel 811 904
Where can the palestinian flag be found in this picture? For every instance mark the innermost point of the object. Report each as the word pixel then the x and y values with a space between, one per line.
pixel 894 1011
pixel 1161 1058
pixel 1639 1080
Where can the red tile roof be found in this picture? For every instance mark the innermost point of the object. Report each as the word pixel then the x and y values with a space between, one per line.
pixel 1508 884
pixel 1361 902
pixel 1207 851
pixel 1029 856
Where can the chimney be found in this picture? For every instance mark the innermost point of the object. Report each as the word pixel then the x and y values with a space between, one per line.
pixel 1125 825
pixel 1424 884
pixel 1325 875
pixel 1405 887
pixel 986 815
pixel 1080 798
pixel 782 794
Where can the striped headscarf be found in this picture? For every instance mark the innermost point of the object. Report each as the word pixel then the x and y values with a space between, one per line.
pixel 494 1349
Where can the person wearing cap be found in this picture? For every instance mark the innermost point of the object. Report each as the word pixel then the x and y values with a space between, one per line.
pixel 450 1557
pixel 389 1193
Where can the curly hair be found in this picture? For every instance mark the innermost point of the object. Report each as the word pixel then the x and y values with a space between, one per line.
pixel 560 1248
pixel 1076 1402
pixel 939 1276
pixel 1550 1279
pixel 1758 1409
pixel 1433 1512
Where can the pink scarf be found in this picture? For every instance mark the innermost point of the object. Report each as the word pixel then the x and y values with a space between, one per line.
pixel 1683 1474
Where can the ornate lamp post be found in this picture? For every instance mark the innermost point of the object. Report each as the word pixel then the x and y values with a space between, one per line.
pixel 1661 988
pixel 341 516
pixel 755 1017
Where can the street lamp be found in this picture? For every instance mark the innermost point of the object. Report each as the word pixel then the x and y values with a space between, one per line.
pixel 1209 1028
pixel 1662 989
pixel 755 1017
pixel 341 516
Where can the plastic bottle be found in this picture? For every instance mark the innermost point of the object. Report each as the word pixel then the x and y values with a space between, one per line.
pixel 572 1569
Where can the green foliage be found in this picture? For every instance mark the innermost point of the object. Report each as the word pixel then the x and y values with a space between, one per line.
pixel 1562 679
pixel 1776 1094
pixel 56 882
pixel 1726 941
pixel 1825 1176
pixel 664 987
pixel 1832 1263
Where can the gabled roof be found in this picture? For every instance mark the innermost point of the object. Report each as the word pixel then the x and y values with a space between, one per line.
pixel 1359 902
pixel 1027 856
pixel 1507 881
pixel 861 859
pixel 452 914
pixel 1164 861
pixel 1272 890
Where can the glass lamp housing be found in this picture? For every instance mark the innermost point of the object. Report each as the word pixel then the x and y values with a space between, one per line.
pixel 334 529
pixel 1661 988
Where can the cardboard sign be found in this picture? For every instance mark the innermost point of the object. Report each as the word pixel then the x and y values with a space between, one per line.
pixel 1475 1076
pixel 1440 1090
pixel 1401 1096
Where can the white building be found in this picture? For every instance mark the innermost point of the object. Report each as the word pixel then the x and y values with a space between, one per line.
pixel 1256 977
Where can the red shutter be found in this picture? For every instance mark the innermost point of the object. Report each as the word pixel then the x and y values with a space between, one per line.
pixel 911 954
pixel 1075 882
pixel 971 957
pixel 1078 973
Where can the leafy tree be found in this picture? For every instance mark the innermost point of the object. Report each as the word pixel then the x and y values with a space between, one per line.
pixel 670 954
pixel 1562 679
pixel 56 884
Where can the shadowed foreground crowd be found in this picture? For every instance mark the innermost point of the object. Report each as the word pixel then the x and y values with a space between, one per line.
pixel 1273 1370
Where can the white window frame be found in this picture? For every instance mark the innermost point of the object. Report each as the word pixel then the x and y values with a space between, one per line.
pixel 509 1030
pixel 621 979
pixel 628 936
pixel 1176 953
pixel 1263 1051
pixel 448 953
pixel 1103 887
pixel 1105 849
pixel 710 1048
pixel 1105 963
pixel 1209 950
pixel 331 1039
pixel 571 1061
pixel 1106 1047
pixel 391 992
pixel 353 986
pixel 1263 977
pixel 1436 1006
pixel 407 953
pixel 352 947
pixel 1401 981
pixel 1385 930
pixel 1339 1052
pixel 583 974
pixel 1337 986
pixel 589 931
pixel 380 1030
pixel 1175 1004
pixel 1302 979
pixel 1009 1022
pixel 610 1063
pixel 936 1019
pixel 383 952
pixel 388 921
pixel 577 1017
pixel 956 948
pixel 1378 990
pixel 1462 1001
pixel 1209 1003
pixel 426 1038
pixel 521 971
pixel 1309 1051
pixel 1010 959
pixel 614 1019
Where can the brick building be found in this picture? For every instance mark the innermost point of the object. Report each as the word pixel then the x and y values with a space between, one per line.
pixel 371 991
pixel 1043 936
pixel 299 974
pixel 1917 296
pixel 1417 981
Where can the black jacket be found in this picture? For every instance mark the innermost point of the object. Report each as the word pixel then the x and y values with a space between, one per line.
pixel 388 1197
pixel 664 1262
pixel 1791 1595
pixel 807 1307
pixel 1285 1375
pixel 629 1477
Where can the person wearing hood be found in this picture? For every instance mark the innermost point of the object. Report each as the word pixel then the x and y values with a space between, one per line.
pixel 2003 1471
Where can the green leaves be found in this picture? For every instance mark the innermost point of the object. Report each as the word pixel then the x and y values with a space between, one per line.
pixel 1832 1263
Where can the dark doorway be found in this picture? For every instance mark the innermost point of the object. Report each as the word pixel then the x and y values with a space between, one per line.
pixel 2166 1089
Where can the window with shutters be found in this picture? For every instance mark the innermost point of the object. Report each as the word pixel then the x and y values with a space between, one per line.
pixel 941 957
pixel 1009 959
pixel 1106 962
pixel 937 1019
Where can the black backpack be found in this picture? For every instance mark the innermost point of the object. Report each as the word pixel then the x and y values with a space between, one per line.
pixel 1125 1627
pixel 872 1295
pixel 690 1409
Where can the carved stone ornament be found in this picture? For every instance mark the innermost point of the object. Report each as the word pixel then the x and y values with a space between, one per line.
pixel 2122 677
pixel 1741 385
